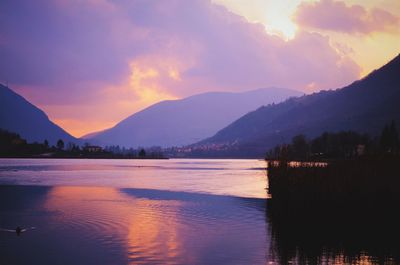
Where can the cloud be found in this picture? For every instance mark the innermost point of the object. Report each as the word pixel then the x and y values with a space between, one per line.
pixel 337 16
pixel 99 61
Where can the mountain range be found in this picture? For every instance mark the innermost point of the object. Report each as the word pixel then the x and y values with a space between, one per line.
pixel 31 123
pixel 364 106
pixel 186 121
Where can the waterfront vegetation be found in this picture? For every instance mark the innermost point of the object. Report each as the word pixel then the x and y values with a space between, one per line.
pixel 362 179
pixel 335 198
pixel 339 145
pixel 334 231
pixel 344 211
pixel 336 168
pixel 13 146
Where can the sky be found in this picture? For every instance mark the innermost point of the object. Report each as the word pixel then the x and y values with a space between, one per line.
pixel 91 63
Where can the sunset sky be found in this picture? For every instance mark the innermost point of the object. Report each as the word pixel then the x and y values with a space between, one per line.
pixel 90 63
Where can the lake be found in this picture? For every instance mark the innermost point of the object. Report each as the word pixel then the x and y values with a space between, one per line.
pixel 242 178
pixel 178 211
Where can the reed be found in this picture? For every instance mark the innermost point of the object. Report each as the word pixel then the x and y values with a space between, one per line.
pixel 361 179
pixel 335 212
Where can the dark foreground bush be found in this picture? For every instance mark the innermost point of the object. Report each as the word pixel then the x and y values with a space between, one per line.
pixel 359 180
pixel 343 213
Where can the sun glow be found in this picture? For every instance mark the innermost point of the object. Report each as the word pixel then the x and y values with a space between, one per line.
pixel 174 74
pixel 145 82
pixel 276 16
pixel 283 28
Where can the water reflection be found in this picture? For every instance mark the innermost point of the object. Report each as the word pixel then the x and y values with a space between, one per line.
pixel 100 225
pixel 140 231
pixel 366 234
pixel 97 225
pixel 154 235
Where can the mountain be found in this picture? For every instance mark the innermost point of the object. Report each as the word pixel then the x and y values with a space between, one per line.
pixel 91 135
pixel 188 120
pixel 20 116
pixel 364 106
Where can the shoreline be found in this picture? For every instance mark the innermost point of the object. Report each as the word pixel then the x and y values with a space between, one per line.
pixel 72 157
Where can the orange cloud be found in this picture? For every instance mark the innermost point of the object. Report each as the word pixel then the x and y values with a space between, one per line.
pixel 146 80
pixel 337 16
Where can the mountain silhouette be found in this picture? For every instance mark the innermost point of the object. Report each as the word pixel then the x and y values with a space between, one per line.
pixel 31 123
pixel 188 120
pixel 364 106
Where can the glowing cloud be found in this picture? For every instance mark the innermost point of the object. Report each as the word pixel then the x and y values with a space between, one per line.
pixel 275 15
pixel 145 83
pixel 337 16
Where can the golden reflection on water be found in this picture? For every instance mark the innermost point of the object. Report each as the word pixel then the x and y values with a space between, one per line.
pixel 149 229
pixel 148 232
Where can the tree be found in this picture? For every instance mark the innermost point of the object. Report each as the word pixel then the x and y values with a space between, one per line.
pixel 300 146
pixel 142 153
pixel 394 137
pixel 60 144
pixel 46 144
pixel 389 140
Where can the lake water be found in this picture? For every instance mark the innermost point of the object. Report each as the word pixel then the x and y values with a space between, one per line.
pixel 242 178
pixel 183 211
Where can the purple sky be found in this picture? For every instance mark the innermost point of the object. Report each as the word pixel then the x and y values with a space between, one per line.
pixel 91 63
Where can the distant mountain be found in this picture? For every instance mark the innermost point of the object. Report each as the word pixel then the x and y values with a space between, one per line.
pixel 188 120
pixel 91 135
pixel 19 116
pixel 364 106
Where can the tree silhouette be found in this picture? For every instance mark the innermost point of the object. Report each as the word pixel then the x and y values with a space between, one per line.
pixel 142 153
pixel 46 143
pixel 300 146
pixel 60 144
pixel 389 139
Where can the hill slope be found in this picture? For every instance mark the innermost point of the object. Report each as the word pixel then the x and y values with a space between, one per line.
pixel 185 121
pixel 364 106
pixel 19 116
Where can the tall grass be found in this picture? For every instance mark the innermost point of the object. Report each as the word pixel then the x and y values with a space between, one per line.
pixel 335 213
pixel 360 179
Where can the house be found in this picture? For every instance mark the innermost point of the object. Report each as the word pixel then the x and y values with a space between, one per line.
pixel 93 149
pixel 360 149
